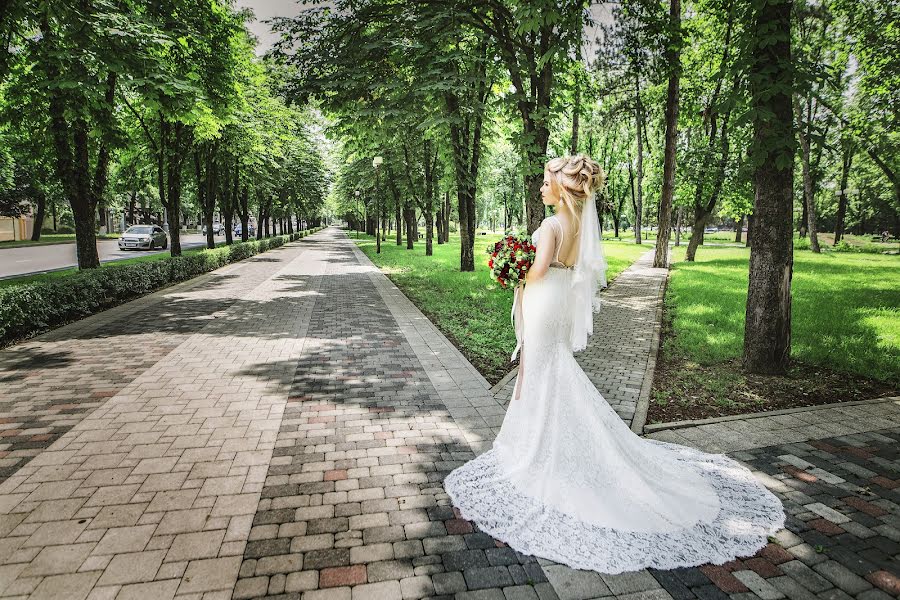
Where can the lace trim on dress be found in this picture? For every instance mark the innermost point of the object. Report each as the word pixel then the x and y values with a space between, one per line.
pixel 748 515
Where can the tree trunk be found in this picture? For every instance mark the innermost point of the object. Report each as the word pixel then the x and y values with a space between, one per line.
pixel 203 170
pixel 638 193
pixel 41 198
pixel 678 222
pixel 804 219
pixel 809 196
pixel 172 153
pixel 846 163
pixel 673 55
pixel 244 213
pixel 739 230
pixel 447 217
pixel 466 157
pixel 634 205
pixel 259 217
pixel 409 217
pixel 132 203
pixel 573 148
pixel 767 329
pixel 697 228
pixel 72 164
pixel 431 163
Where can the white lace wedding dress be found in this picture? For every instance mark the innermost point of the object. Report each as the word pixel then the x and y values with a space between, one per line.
pixel 567 479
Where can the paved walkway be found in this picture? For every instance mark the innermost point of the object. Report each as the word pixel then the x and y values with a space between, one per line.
pixel 621 355
pixel 282 430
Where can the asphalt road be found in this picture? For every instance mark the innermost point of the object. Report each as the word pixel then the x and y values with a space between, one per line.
pixel 15 262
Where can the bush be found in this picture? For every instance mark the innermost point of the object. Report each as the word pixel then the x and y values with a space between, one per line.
pixel 29 308
pixel 843 246
pixel 63 229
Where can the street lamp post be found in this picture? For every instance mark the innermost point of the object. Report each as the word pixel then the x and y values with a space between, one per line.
pixel 357 213
pixel 376 162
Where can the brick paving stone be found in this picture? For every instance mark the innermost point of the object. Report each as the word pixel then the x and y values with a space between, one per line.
pixel 342 576
pixel 673 585
pixel 889 582
pixel 875 595
pixel 571 584
pixel 758 585
pixel 487 577
pixel 627 583
pixel 709 592
pixel 520 592
pixel 842 577
pixel 723 579
pixel 805 576
pixel 386 590
pixel 791 588
pixel 413 588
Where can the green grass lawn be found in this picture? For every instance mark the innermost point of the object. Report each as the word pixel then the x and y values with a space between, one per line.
pixel 113 263
pixel 469 308
pixel 845 310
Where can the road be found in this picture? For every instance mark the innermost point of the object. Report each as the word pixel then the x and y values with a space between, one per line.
pixel 15 262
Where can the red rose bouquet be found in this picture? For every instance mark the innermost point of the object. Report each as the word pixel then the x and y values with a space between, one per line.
pixel 510 260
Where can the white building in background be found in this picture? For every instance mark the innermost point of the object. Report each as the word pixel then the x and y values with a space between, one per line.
pixel 16 228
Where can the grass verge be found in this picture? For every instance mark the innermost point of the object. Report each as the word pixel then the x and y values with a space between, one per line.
pixel 845 335
pixel 468 307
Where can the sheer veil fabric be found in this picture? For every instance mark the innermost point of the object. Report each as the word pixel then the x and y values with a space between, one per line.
pixel 567 479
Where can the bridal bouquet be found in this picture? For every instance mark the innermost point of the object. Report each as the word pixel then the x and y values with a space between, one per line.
pixel 510 260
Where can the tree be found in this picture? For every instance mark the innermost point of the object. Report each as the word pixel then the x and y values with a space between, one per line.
pixel 673 56
pixel 767 329
pixel 710 163
pixel 532 38
pixel 70 73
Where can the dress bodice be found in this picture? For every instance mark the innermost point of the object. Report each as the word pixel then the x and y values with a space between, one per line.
pixel 535 237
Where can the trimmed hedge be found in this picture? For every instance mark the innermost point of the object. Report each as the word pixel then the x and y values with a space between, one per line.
pixel 31 308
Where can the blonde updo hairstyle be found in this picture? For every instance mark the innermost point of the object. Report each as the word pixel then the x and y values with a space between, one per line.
pixel 577 178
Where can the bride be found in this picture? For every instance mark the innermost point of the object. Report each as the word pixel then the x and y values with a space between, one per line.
pixel 566 478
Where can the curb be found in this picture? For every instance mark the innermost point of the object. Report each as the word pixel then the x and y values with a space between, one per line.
pixel 655 427
pixel 503 381
pixel 643 404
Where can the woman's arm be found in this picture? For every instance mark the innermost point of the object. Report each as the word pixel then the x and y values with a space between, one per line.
pixel 544 254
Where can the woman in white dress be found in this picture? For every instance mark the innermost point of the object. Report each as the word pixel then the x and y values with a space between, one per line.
pixel 566 478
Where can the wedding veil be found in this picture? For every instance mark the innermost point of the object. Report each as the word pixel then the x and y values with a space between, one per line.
pixel 589 276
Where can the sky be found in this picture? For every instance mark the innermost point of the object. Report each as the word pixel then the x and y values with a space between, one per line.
pixel 266 9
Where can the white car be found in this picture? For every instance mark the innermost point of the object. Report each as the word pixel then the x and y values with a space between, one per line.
pixel 217 229
pixel 143 237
